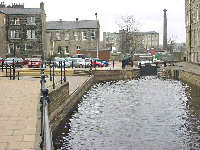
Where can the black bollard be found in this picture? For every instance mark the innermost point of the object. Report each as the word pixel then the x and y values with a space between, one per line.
pixel 50 72
pixel 6 70
pixel 53 75
pixel 72 64
pixel 64 73
pixel 10 72
pixel 2 66
pixel 113 64
pixel 61 72
pixel 95 65
pixel 18 75
pixel 13 69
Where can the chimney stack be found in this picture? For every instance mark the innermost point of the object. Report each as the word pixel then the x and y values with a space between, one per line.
pixel 42 5
pixel 76 19
pixel 165 30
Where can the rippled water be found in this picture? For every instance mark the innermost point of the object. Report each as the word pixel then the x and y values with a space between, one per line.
pixel 145 114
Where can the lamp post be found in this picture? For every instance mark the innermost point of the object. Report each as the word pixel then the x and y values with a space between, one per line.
pixel 97 36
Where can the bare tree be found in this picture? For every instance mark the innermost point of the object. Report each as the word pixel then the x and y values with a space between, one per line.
pixel 171 43
pixel 128 26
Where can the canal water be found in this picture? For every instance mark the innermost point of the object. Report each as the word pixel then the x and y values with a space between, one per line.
pixel 144 114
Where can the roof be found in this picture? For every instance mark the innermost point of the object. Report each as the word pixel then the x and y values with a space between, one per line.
pixel 64 25
pixel 20 11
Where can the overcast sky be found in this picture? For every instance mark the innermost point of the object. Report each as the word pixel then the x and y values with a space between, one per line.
pixel 149 13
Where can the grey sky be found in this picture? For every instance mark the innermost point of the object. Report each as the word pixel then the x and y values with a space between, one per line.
pixel 149 13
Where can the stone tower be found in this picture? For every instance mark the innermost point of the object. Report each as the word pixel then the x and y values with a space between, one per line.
pixel 165 30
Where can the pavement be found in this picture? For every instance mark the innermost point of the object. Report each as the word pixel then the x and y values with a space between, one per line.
pixel 19 106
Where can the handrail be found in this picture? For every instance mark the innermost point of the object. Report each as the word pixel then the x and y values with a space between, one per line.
pixel 46 143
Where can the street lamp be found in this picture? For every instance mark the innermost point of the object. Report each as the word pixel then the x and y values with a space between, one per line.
pixel 97 36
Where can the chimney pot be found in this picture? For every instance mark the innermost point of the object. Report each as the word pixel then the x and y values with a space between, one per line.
pixel 76 19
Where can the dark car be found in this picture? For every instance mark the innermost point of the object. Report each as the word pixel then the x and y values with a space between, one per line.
pixel 18 62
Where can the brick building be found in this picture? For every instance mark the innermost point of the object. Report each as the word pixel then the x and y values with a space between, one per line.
pixel 126 42
pixel 71 37
pixel 23 31
pixel 192 20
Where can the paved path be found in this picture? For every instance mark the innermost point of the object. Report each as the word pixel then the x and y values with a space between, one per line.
pixel 19 108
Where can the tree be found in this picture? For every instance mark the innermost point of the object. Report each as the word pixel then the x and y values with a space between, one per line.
pixel 128 27
pixel 171 43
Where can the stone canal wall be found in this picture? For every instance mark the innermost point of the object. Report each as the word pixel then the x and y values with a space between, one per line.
pixel 61 103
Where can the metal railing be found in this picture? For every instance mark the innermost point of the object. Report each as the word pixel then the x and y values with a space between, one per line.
pixel 46 136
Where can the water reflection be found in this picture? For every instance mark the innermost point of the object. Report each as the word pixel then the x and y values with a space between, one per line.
pixel 140 114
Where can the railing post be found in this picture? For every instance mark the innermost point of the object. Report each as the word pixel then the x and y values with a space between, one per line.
pixel 113 64
pixel 50 70
pixel 6 70
pixel 10 72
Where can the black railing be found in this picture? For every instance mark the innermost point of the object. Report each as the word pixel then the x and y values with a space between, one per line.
pixel 46 136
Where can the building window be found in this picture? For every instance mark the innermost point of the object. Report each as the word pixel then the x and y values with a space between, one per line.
pixel 92 35
pixel 11 48
pixel 30 20
pixel 78 47
pixel 58 36
pixel 76 36
pixel 14 21
pixel 67 50
pixel 66 36
pixel 30 34
pixel 59 49
pixel 14 34
pixel 84 36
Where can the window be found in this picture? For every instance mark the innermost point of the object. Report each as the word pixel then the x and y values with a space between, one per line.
pixel 58 36
pixel 30 20
pixel 67 49
pixel 76 36
pixel 78 47
pixel 66 36
pixel 14 21
pixel 92 35
pixel 30 34
pixel 84 36
pixel 14 34
pixel 59 49
pixel 28 46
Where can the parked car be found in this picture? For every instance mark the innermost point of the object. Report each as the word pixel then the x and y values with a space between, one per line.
pixel 26 60
pixel 1 61
pixel 58 61
pixel 79 56
pixel 79 62
pixel 103 62
pixel 18 62
pixel 34 62
pixel 98 64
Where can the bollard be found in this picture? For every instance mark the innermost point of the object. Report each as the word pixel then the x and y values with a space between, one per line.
pixel 72 64
pixel 13 69
pixel 6 70
pixel 95 65
pixel 113 64
pixel 50 72
pixel 18 75
pixel 61 72
pixel 64 73
pixel 2 65
pixel 53 75
pixel 10 72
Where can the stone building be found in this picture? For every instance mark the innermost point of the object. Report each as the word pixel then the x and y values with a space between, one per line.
pixel 192 20
pixel 66 38
pixel 23 33
pixel 127 42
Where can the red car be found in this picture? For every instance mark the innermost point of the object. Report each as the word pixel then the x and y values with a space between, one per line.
pixel 98 64
pixel 1 60
pixel 35 62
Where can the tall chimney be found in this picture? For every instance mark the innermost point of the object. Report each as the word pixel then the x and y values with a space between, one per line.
pixel 165 30
pixel 42 5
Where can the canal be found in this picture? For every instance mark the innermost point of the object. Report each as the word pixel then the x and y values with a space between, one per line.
pixel 144 114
